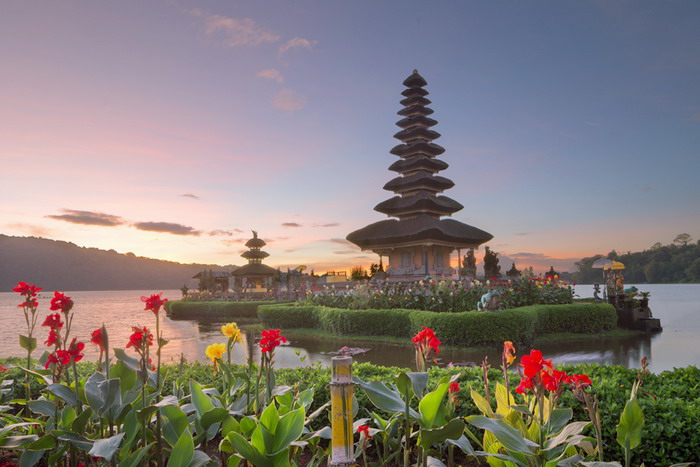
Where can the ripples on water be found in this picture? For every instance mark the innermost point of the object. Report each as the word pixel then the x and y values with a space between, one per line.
pixel 677 305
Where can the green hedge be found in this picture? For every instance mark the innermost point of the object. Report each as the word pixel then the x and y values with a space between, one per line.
pixel 179 309
pixel 469 328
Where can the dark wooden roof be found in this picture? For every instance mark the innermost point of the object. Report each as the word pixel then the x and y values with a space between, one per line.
pixel 416 132
pixel 416 120
pixel 415 100
pixel 421 229
pixel 414 110
pixel 250 270
pixel 418 162
pixel 410 92
pixel 415 80
pixel 255 242
pixel 419 180
pixel 420 202
pixel 255 254
pixel 419 147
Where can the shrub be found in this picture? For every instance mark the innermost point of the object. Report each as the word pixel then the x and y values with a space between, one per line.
pixel 179 309
pixel 469 328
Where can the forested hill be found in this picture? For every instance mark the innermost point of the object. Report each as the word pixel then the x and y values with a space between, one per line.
pixel 57 265
pixel 660 264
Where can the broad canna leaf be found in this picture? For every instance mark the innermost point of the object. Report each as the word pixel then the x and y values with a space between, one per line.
pixel 629 430
pixel 509 437
pixel 245 449
pixel 289 428
pixel 417 382
pixel 30 458
pixel 202 403
pixel 384 397
pixel 107 447
pixel 134 459
pixel 571 430
pixel 452 430
pixel 27 343
pixel 183 451
pixel 558 420
pixel 429 406
pixel 64 392
pixel 42 407
pixel 93 395
pixel 462 443
pixel 174 423
pixel 215 415
pixel 481 403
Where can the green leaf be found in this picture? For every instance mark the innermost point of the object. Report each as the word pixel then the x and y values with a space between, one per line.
pixel 183 451
pixel 289 429
pixel 78 425
pixel 16 442
pixel 112 396
pixel 146 414
pixel 416 381
pixel 430 405
pixel 570 430
pixel 134 459
pixel 105 448
pixel 202 403
pixel 508 436
pixel 126 376
pixel 67 416
pixel 7 428
pixel 462 443
pixel 174 423
pixel 245 449
pixel 215 415
pixel 228 425
pixel 131 363
pixel 28 344
pixel 558 420
pixel 64 392
pixel 433 462
pixel 75 439
pixel 481 403
pixel 385 398
pixel 92 392
pixel 42 407
pixel 452 430
pixel 42 444
pixel 200 458
pixel 270 417
pixel 30 458
pixel 629 430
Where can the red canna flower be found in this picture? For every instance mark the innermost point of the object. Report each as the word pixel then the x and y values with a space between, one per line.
pixel 53 321
pixel 533 363
pixel 271 339
pixel 61 302
pixel 427 339
pixel 364 430
pixel 52 339
pixel 578 381
pixel 75 349
pixel 140 337
pixel 60 356
pixel 3 369
pixel 29 303
pixel 28 290
pixel 454 388
pixel 525 385
pixel 96 338
pixel 154 302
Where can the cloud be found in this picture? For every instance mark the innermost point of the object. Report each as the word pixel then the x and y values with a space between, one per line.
pixel 88 218
pixel 233 241
pixel 291 224
pixel 34 230
pixel 694 118
pixel 522 234
pixel 272 74
pixel 234 31
pixel 189 195
pixel 166 227
pixel 345 252
pixel 296 43
pixel 331 224
pixel 228 233
pixel 288 100
pixel 340 241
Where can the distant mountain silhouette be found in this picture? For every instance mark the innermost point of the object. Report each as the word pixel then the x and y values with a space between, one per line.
pixel 58 265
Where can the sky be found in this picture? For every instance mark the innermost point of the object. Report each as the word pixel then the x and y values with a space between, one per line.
pixel 172 128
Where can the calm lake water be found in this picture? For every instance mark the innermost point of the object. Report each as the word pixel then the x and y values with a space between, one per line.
pixel 678 307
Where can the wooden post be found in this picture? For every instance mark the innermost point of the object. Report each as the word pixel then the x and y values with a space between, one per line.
pixel 342 447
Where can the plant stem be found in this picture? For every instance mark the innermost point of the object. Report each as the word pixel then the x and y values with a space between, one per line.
pixel 407 433
pixel 77 389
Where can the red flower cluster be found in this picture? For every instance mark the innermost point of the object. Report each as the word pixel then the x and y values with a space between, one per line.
pixel 271 339
pixel 96 338
pixel 426 339
pixel 3 369
pixel 364 429
pixel 154 302
pixel 454 388
pixel 54 322
pixel 140 338
pixel 61 302
pixel 29 291
pixel 540 374
pixel 64 357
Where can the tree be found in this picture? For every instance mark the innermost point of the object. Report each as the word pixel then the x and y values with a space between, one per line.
pixel 682 239
pixel 358 274
pixel 656 246
pixel 491 267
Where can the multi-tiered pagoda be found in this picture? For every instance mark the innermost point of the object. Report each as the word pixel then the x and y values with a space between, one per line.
pixel 418 243
pixel 254 276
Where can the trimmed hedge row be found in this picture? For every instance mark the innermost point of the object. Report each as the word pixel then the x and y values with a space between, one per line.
pixel 179 309
pixel 469 328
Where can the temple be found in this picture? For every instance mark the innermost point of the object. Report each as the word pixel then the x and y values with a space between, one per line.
pixel 418 242
pixel 254 276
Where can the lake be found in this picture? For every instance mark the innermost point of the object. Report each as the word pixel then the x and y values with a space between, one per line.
pixel 677 305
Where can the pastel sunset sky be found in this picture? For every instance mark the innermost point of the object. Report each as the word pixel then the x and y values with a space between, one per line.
pixel 171 128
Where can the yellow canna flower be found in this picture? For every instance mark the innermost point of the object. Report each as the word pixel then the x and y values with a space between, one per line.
pixel 509 352
pixel 231 331
pixel 215 352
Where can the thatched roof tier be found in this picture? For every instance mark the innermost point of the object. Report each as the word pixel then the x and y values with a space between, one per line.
pixel 416 120
pixel 416 132
pixel 411 92
pixel 255 254
pixel 254 269
pixel 415 100
pixel 418 162
pixel 255 242
pixel 419 180
pixel 419 230
pixel 421 202
pixel 415 80
pixel 420 147
pixel 415 110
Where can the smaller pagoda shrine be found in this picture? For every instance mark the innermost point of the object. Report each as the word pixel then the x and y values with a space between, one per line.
pixel 254 277
pixel 418 241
